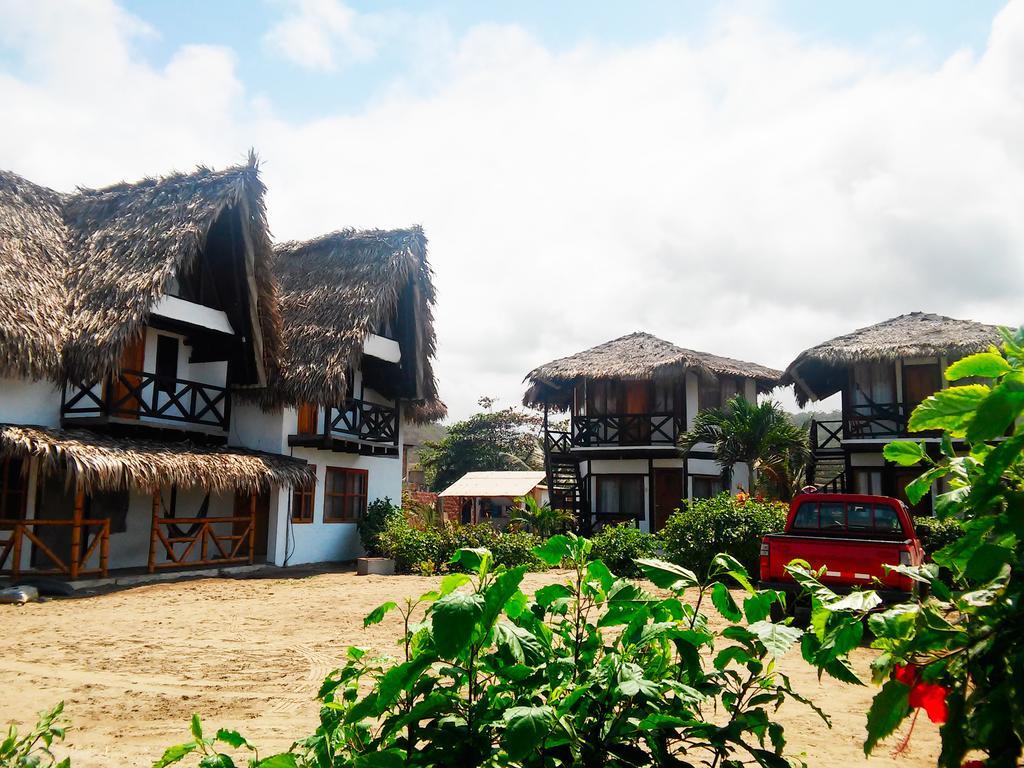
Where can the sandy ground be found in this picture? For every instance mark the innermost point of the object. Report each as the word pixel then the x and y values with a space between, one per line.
pixel 133 665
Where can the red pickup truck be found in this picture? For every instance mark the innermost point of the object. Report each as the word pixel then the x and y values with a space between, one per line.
pixel 852 537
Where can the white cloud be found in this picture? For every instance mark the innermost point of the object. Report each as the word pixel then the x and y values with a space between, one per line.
pixel 315 32
pixel 749 195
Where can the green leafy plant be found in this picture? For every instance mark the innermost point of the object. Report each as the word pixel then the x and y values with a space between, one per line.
pixel 541 519
pixel 33 749
pixel 211 754
pixel 372 524
pixel 429 550
pixel 620 547
pixel 759 435
pixel 936 534
pixel 592 671
pixel 704 527
pixel 957 655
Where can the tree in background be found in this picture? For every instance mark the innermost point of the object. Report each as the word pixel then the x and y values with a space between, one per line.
pixel 761 436
pixel 491 440
pixel 542 519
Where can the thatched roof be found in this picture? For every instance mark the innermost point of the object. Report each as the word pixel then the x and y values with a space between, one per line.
pixel 637 356
pixel 79 272
pixel 821 370
pixel 98 462
pixel 337 289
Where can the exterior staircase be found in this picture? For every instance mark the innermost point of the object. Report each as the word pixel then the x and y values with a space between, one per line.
pixel 567 489
pixel 827 468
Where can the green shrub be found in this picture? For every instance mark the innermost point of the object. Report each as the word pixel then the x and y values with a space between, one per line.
pixel 373 523
pixel 620 546
pixel 427 551
pixel 936 534
pixel 705 527
pixel 592 671
pixel 412 549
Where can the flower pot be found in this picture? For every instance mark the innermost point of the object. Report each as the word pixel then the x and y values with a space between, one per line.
pixel 381 566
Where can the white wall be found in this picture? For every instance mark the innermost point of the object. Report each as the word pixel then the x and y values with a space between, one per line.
pixel 29 402
pixel 297 543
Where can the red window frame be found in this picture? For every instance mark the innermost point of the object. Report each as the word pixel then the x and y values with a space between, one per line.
pixel 352 497
pixel 302 503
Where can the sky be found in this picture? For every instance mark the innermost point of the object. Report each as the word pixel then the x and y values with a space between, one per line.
pixel 747 178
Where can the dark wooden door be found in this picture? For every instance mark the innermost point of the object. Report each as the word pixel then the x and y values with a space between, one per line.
pixel 261 523
pixel 920 382
pixel 635 428
pixel 308 413
pixel 124 400
pixel 668 495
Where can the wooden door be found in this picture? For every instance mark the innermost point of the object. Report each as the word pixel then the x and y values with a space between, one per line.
pixel 261 521
pixel 668 495
pixel 308 413
pixel 920 382
pixel 636 423
pixel 124 402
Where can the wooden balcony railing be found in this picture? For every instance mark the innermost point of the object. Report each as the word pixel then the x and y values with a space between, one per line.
pixel 626 429
pixel 86 557
pixel 148 398
pixel 363 420
pixel 556 441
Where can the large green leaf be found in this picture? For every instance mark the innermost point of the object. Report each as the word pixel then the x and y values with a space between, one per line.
pixel 919 487
pixel 722 600
pixel 725 564
pixel 668 575
pixel 887 711
pixel 996 412
pixel 283 760
pixel 385 758
pixel 453 619
pixel 477 559
pixel 499 592
pixel 777 638
pixel 949 409
pixel 554 550
pixel 377 614
pixel 904 453
pixel 525 729
pixel 216 760
pixel 175 753
pixel 547 594
pixel 233 738
pixel 858 601
pixel 985 365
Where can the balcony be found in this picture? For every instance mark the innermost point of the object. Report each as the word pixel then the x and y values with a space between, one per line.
pixel 626 430
pixel 358 426
pixel 146 399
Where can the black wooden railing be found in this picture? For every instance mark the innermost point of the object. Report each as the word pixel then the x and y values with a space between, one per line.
pixel 556 441
pixel 362 420
pixel 142 395
pixel 626 429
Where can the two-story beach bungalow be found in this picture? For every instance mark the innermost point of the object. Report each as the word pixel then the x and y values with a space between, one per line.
pixel 150 362
pixel 628 400
pixel 882 372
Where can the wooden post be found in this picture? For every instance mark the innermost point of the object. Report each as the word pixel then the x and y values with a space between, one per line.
pixel 18 532
pixel 252 528
pixel 76 534
pixel 104 547
pixel 153 531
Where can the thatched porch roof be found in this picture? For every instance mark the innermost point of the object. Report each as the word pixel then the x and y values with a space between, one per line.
pixel 80 272
pixel 637 356
pixel 340 287
pixel 822 370
pixel 98 462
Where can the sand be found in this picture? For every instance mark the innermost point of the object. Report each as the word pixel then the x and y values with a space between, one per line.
pixel 133 665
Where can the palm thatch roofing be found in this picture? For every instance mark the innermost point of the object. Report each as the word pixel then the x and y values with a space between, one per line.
pixel 79 272
pixel 99 462
pixel 822 370
pixel 636 356
pixel 337 289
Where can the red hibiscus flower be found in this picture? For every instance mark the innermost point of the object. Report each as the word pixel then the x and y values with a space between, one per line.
pixel 931 697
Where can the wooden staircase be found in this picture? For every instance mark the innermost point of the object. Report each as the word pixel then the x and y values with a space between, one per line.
pixel 827 468
pixel 567 488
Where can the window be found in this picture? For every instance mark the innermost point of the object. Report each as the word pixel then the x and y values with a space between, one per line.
pixel 709 392
pixel 13 490
pixel 344 495
pixel 620 495
pixel 604 397
pixel 867 482
pixel 806 516
pixel 831 515
pixel 166 363
pixel 706 486
pixel 858 517
pixel 302 502
pixel 886 520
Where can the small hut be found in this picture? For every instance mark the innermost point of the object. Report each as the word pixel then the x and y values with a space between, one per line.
pixel 489 496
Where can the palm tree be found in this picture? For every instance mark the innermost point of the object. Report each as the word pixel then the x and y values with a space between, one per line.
pixel 541 519
pixel 761 436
